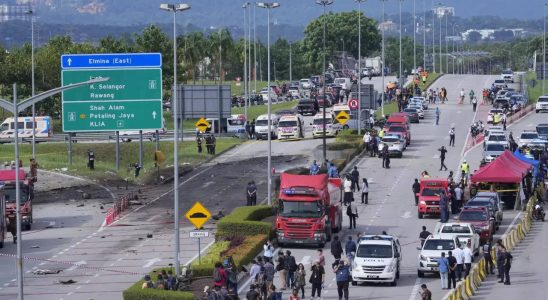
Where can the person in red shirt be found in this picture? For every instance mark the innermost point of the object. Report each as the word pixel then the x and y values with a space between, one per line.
pixel 219 275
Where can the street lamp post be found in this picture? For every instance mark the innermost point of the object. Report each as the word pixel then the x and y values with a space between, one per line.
pixel 246 91
pixel 324 3
pixel 269 6
pixel 433 37
pixel 31 13
pixel 174 8
pixel 414 36
pixel 424 36
pixel 400 74
pixel 544 52
pixel 290 61
pixel 360 65
pixel 383 62
pixel 441 59
pixel 446 45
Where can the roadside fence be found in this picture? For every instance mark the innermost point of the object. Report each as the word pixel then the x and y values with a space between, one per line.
pixel 469 287
pixel 114 212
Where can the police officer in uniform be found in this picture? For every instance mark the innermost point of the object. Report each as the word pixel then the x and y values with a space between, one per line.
pixel 489 267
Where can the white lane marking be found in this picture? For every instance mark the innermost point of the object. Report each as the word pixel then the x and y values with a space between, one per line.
pixel 511 225
pixel 41 264
pixel 406 215
pixel 96 275
pixel 207 184
pixel 69 293
pixel 77 265
pixel 151 262
pixel 415 290
pixel 13 280
pixel 88 281
pixel 120 259
pixel 152 218
pixel 202 253
pixel 78 287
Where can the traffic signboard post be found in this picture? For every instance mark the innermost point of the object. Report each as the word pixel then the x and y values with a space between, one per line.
pixel 353 104
pixel 130 100
pixel 198 215
pixel 342 117
pixel 202 125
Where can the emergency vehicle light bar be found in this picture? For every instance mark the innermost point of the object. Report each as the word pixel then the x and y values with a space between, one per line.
pixel 301 190
pixel 376 238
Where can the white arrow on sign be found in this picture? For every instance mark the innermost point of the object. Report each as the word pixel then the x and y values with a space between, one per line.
pixel 69 61
pixel 154 114
pixel 77 265
pixel 151 262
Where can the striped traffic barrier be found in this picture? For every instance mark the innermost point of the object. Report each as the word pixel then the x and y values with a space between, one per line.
pixel 468 287
pixel 481 269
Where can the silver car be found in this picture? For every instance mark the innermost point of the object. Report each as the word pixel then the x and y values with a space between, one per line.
pixel 395 145
pixel 492 151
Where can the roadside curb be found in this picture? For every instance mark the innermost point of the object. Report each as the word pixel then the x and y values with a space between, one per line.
pixel 470 286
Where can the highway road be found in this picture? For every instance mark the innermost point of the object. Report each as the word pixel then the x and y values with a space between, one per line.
pixel 391 205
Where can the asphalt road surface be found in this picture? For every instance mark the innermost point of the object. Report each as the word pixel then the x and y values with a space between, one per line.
pixel 391 201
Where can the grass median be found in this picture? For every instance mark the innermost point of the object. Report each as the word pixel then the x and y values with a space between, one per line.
pixel 534 90
pixel 54 156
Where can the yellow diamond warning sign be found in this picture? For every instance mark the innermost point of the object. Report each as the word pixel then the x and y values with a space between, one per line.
pixel 202 125
pixel 198 215
pixel 342 117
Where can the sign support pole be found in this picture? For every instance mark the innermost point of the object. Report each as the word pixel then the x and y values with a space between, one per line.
pixel 70 148
pixel 117 150
pixel 199 252
pixel 18 218
pixel 157 140
pixel 140 148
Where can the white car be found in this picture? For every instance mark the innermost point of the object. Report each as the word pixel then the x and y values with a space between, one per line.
pixel 395 146
pixel 492 113
pixel 306 83
pixel 431 251
pixel 526 137
pixel 378 259
pixel 496 137
pixel 542 104
pixel 418 107
pixel 273 96
pixel 331 128
pixel 466 233
pixel 294 92
pixel 421 101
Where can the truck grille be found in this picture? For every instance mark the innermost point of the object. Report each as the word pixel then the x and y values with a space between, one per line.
pixel 304 226
pixel 371 269
pixel 298 230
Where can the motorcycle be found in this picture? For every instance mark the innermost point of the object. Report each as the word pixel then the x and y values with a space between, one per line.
pixel 538 213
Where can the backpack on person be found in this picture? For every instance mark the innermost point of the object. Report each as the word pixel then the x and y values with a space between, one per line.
pixel 292 264
pixel 348 210
pixel 217 275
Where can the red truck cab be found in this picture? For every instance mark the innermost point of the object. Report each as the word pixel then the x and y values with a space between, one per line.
pixel 7 178
pixel 309 209
pixel 429 201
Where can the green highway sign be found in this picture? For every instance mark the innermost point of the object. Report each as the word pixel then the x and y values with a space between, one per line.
pixel 123 84
pixel 130 100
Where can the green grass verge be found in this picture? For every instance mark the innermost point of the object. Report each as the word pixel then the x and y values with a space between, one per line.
pixel 254 111
pixel 205 266
pixel 534 91
pixel 52 156
pixel 136 292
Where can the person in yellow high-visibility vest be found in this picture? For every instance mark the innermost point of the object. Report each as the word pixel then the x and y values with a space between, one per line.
pixel 381 133
pixel 465 169
pixel 496 118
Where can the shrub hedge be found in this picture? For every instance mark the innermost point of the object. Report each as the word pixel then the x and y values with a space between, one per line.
pixel 136 292
pixel 244 221
pixel 207 262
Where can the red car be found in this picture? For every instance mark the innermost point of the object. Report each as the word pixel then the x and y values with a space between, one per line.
pixel 400 129
pixel 480 217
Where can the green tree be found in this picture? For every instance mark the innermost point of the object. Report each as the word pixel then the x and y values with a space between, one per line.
pixel 154 40
pixel 339 26
pixel 392 54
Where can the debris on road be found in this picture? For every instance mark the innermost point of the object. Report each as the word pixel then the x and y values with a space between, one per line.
pixel 46 272
pixel 70 281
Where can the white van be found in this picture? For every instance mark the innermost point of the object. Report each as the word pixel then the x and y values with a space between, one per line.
pixel 344 83
pixel 377 259
pixel 332 127
pixel 261 127
pixel 236 124
pixel 291 127
pixel 353 121
pixel 44 127
pixel 127 135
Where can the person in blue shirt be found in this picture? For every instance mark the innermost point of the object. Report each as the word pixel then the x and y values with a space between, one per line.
pixel 314 168
pixel 443 264
pixel 332 172
pixel 342 275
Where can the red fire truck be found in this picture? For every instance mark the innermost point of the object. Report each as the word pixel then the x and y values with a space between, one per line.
pixel 429 199
pixel 7 178
pixel 2 217
pixel 309 209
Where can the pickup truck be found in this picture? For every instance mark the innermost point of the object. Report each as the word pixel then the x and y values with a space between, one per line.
pixel 466 233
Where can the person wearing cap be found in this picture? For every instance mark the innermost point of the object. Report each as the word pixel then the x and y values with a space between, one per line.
pixel 148 284
pixel 317 276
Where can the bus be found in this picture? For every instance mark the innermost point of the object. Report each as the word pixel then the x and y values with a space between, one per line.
pixel 44 127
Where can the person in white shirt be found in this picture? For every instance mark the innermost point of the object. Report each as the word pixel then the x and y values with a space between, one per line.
pixel 459 255
pixel 468 257
pixel 268 251
pixel 366 140
pixel 348 195
pixel 458 196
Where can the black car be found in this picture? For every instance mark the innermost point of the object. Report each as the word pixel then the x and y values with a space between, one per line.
pixel 308 106
pixel 413 114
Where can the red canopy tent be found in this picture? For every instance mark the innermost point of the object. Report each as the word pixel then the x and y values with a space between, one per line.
pixel 504 170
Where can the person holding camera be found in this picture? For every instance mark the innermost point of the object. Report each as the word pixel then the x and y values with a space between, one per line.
pixel 268 251
pixel 342 275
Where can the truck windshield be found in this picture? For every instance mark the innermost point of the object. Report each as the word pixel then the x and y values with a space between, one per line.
pixel 287 124
pixel 298 209
pixel 374 251
pixel 321 121
pixel 431 191
pixel 4 127
pixel 439 245
pixel 261 123
pixel 236 122
pixel 10 194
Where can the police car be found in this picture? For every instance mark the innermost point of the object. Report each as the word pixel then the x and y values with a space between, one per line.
pixel 378 259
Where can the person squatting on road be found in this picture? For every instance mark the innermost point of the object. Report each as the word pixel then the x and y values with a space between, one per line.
pixel 352 212
pixel 251 193
pixel 425 293
pixel 342 276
